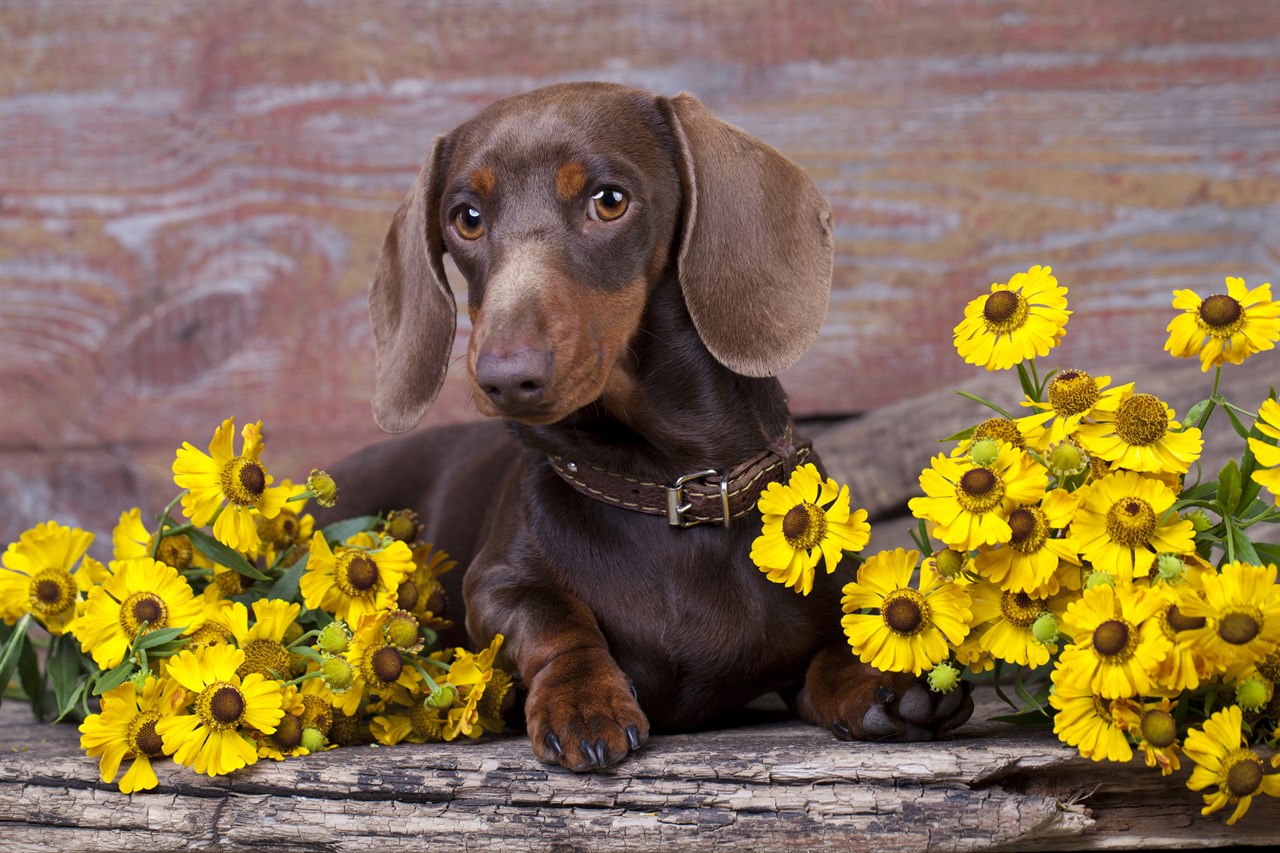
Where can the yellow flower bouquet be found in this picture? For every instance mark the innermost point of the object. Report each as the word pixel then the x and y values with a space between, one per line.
pixel 242 632
pixel 1077 552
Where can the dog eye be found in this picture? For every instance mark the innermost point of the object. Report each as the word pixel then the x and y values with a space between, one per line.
pixel 608 204
pixel 469 224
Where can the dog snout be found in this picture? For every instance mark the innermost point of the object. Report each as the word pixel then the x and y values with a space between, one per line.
pixel 514 381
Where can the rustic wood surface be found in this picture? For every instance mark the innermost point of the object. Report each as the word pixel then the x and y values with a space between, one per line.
pixel 766 786
pixel 193 193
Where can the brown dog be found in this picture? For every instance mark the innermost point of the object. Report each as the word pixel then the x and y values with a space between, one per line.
pixel 638 271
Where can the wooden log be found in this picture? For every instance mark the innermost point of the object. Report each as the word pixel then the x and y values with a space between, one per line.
pixel 765 785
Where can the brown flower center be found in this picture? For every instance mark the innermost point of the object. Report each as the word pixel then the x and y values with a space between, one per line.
pixel 288 733
pixel 142 735
pixel 1072 392
pixel 52 591
pixel 176 551
pixel 1242 775
pixel 1141 420
pixel 979 490
pixel 143 607
pixel 1004 311
pixel 357 573
pixel 220 706
pixel 905 612
pixel 407 595
pixel 1179 621
pixel 243 481
pixel 1131 522
pixel 1239 628
pixel 1112 638
pixel 1222 314
pixel 804 526
pixel 1020 609
pixel 386 664
pixel 1030 529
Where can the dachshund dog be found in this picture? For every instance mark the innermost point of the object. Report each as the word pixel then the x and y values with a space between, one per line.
pixel 638 272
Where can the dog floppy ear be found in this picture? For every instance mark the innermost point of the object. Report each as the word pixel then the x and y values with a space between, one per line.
pixel 412 309
pixel 755 257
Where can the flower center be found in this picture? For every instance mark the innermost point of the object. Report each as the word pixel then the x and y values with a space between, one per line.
pixel 316 713
pixel 142 736
pixel 1178 621
pixel 1131 522
pixel 143 607
pixel 384 664
pixel 231 583
pixel 1072 392
pixel 266 657
pixel 804 525
pixel 1004 311
pixel 243 481
pixel 1114 639
pixel 357 573
pixel 52 591
pixel 1241 773
pixel 1102 708
pixel 979 490
pixel 288 733
pixel 905 612
pixel 220 705
pixel 1159 728
pixel 1020 609
pixel 208 634
pixel 425 724
pixel 1001 429
pixel 1030 529
pixel 407 595
pixel 1141 420
pixel 1240 627
pixel 1221 315
pixel 175 551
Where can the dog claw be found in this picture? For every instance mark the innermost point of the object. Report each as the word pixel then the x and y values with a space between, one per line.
pixel 633 737
pixel 885 695
pixel 916 706
pixel 553 744
pixel 877 723
pixel 840 730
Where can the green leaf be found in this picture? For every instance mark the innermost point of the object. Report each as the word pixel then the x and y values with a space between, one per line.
pixel 286 586
pixel 1241 429
pixel 1267 552
pixel 340 531
pixel 117 676
pixel 63 668
pixel 1245 551
pixel 1197 413
pixel 1229 488
pixel 224 556
pixel 960 436
pixel 32 679
pixel 12 651
pixel 159 637
pixel 1028 387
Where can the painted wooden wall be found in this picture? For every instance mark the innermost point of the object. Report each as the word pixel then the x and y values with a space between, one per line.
pixel 193 194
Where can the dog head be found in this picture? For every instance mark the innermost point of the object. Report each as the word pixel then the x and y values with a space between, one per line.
pixel 563 208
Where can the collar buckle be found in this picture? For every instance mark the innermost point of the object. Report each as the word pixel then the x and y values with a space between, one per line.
pixel 677 506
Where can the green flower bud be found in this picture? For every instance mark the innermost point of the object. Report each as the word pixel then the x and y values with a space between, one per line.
pixel 1199 520
pixel 1253 694
pixel 338 674
pixel 312 739
pixel 401 630
pixel 950 563
pixel 322 487
pixel 1066 459
pixel 943 678
pixel 1045 628
pixel 442 697
pixel 984 452
pixel 335 638
pixel 1096 578
pixel 1170 567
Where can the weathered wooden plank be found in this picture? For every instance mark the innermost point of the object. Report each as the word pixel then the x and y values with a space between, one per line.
pixel 193 194
pixel 766 785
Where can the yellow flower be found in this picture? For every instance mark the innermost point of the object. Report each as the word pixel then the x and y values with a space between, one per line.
pixel 1029 560
pixel 1003 620
pixel 1019 320
pixel 376 665
pixel 1093 724
pixel 1141 435
pixel 289 528
pixel 1188 663
pixel 352 583
pixel 1222 759
pixel 1225 328
pixel 969 504
pixel 1156 732
pixel 286 740
pixel 1268 455
pixel 798 530
pixel 911 631
pixel 126 728
pixel 1118 644
pixel 263 644
pixel 1073 395
pixel 408 718
pixel 1241 606
pixel 37 575
pixel 137 591
pixel 1119 526
pixel 211 737
pixel 421 592
pixel 236 484
pixel 131 539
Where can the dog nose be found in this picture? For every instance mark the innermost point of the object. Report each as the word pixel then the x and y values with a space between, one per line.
pixel 514 381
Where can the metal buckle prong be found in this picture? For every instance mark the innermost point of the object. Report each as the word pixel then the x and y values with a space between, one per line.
pixel 677 506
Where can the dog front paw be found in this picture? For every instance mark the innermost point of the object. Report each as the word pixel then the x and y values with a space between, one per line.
pixel 856 701
pixel 582 712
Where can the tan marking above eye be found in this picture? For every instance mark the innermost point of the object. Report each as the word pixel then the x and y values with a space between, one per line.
pixel 468 224
pixel 482 181
pixel 608 203
pixel 571 179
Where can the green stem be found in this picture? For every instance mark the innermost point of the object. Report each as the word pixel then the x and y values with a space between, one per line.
pixel 163 520
pixel 301 678
pixel 431 682
pixel 306 636
pixel 975 398
pixel 1213 399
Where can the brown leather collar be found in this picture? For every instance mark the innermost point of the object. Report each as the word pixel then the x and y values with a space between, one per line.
pixel 699 497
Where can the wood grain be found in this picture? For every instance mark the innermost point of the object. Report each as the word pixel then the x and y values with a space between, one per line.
pixel 192 194
pixel 765 786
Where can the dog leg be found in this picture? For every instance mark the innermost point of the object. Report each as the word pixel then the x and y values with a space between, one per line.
pixel 856 701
